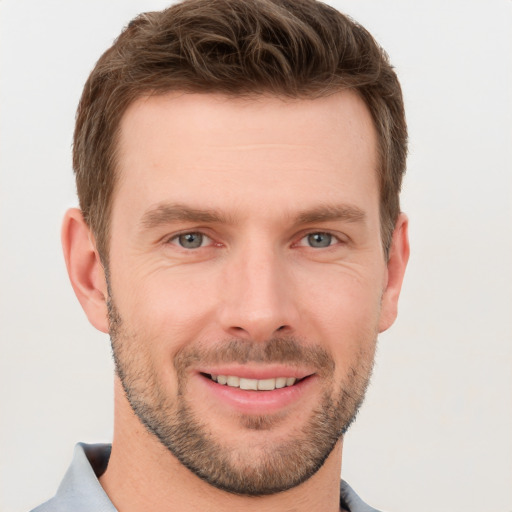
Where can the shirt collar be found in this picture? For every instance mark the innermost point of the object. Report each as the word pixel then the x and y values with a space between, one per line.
pixel 81 491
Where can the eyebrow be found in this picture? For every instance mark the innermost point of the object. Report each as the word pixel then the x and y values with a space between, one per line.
pixel 176 212
pixel 326 213
pixel 167 213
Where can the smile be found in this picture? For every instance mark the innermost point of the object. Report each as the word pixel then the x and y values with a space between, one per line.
pixel 256 390
pixel 254 384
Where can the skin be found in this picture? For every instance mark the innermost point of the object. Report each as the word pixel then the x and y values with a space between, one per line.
pixel 267 167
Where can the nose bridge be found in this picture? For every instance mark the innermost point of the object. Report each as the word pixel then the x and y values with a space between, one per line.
pixel 258 298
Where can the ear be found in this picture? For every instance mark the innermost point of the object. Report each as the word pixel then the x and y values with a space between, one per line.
pixel 398 258
pixel 85 270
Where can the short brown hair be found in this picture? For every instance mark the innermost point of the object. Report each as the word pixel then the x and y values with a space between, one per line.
pixel 288 48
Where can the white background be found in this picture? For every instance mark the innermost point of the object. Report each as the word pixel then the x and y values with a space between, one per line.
pixel 435 432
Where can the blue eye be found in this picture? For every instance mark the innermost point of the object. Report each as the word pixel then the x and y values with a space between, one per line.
pixel 319 240
pixel 191 240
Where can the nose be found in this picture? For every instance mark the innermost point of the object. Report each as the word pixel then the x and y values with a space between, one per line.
pixel 258 299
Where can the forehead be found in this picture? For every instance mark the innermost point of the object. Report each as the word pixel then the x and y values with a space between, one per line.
pixel 210 148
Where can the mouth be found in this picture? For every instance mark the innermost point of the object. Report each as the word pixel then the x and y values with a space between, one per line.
pixel 256 390
pixel 269 384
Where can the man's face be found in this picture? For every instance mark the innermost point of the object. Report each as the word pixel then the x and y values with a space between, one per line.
pixel 247 279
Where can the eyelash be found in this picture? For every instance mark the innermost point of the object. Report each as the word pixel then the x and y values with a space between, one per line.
pixel 332 238
pixel 175 239
pixel 205 238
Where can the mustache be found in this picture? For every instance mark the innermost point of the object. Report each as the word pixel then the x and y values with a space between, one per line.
pixel 289 350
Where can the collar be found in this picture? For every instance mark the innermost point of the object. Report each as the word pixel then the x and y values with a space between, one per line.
pixel 81 491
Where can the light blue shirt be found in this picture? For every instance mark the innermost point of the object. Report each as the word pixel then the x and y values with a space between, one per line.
pixel 81 491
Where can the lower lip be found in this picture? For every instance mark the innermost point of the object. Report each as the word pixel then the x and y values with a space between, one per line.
pixel 257 402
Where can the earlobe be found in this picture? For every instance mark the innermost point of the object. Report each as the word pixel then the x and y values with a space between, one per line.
pixel 85 270
pixel 397 262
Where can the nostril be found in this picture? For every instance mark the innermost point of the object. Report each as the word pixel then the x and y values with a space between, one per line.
pixel 281 328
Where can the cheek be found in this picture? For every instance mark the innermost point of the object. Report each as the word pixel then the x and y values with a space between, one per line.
pixel 342 307
pixel 169 305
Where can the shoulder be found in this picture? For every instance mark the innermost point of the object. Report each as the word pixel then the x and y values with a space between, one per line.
pixel 350 500
pixel 55 504
pixel 80 490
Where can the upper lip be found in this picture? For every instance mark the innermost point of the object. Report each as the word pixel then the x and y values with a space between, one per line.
pixel 257 372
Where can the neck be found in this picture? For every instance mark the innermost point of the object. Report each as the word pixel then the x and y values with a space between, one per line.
pixel 142 475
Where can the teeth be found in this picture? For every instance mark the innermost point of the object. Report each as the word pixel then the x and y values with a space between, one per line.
pixel 267 384
pixel 280 382
pixel 234 382
pixel 248 384
pixel 254 384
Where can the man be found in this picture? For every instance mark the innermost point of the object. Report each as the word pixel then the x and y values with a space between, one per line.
pixel 239 236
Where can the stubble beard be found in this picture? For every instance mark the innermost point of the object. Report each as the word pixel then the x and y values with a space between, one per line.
pixel 277 466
